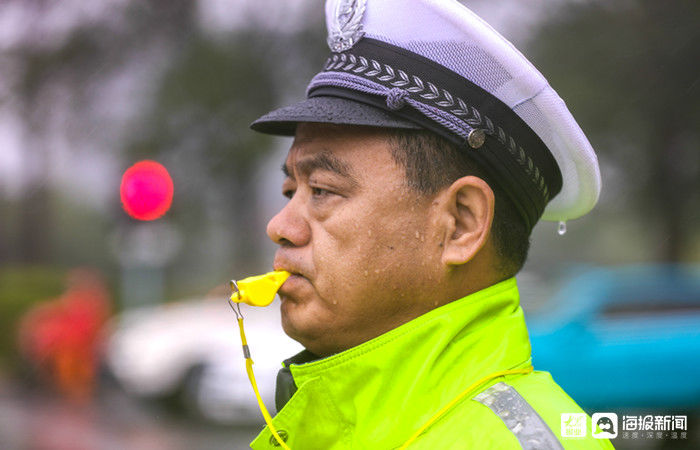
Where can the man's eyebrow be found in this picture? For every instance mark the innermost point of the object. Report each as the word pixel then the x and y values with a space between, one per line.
pixel 320 161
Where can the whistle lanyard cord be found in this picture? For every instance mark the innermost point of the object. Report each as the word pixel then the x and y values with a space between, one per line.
pixel 457 399
pixel 426 425
pixel 251 377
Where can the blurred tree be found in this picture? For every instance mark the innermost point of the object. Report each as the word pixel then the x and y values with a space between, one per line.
pixel 181 93
pixel 199 122
pixel 630 72
pixel 59 74
pixel 198 125
pixel 20 289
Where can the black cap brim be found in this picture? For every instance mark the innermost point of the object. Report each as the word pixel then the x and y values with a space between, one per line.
pixel 325 109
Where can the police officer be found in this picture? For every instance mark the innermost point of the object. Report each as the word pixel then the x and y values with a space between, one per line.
pixel 425 152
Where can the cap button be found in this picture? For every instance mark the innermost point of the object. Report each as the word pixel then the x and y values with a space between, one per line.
pixel 396 99
pixel 476 138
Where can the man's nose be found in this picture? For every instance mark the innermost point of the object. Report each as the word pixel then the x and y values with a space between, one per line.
pixel 289 227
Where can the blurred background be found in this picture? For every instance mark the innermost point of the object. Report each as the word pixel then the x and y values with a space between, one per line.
pixel 114 331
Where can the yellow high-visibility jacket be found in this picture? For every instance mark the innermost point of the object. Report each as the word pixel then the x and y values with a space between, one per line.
pixel 380 393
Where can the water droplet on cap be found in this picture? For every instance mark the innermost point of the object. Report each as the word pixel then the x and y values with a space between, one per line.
pixel 562 228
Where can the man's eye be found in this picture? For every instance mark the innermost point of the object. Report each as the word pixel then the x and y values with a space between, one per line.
pixel 289 193
pixel 319 192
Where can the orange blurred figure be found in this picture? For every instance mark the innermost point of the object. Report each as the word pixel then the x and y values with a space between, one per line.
pixel 62 337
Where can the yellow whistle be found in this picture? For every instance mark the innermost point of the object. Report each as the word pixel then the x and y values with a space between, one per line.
pixel 258 290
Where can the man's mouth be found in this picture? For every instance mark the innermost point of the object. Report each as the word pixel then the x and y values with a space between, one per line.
pixel 297 284
pixel 290 289
pixel 292 285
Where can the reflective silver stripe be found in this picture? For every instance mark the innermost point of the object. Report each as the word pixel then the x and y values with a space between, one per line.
pixel 520 418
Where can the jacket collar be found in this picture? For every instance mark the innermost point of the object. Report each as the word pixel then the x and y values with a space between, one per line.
pixel 426 361
pixel 483 332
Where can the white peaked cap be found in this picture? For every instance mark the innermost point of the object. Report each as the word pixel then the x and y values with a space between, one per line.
pixel 446 33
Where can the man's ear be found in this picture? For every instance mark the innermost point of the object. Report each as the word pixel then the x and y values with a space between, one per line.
pixel 468 210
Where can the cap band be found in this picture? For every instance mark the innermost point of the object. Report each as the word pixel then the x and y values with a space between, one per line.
pixel 391 78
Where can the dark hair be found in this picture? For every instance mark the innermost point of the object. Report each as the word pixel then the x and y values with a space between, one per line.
pixel 433 163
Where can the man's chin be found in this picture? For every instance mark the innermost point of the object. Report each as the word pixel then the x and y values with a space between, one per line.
pixel 303 326
pixel 293 312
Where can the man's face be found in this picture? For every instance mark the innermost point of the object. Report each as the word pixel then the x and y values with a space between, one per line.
pixel 359 242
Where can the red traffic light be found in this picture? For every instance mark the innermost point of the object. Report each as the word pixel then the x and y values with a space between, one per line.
pixel 146 190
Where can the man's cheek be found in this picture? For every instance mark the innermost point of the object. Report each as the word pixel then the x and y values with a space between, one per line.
pixel 332 274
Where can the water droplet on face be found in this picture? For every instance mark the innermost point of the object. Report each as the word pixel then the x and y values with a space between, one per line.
pixel 562 228
pixel 417 235
pixel 366 272
pixel 335 302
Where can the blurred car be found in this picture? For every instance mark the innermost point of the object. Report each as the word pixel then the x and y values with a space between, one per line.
pixel 192 350
pixel 624 338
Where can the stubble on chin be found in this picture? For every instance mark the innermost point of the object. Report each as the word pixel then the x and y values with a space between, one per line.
pixel 311 328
